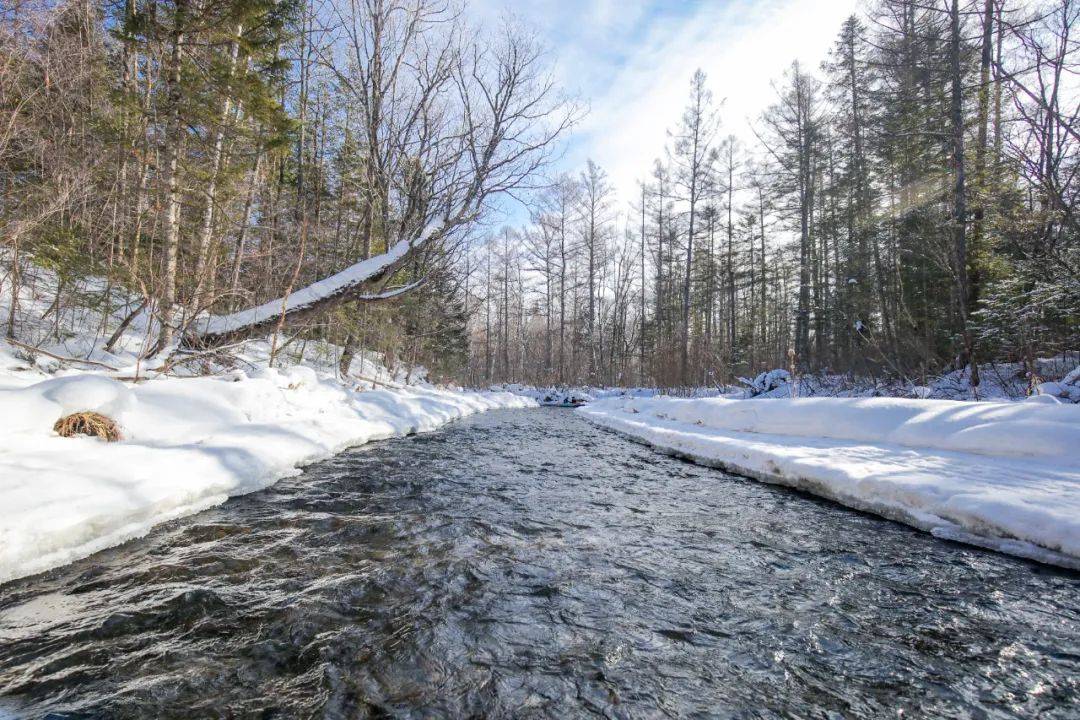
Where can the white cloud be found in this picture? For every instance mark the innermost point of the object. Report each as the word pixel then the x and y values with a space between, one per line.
pixel 742 47
pixel 632 60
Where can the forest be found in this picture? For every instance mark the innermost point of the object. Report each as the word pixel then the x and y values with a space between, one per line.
pixel 340 171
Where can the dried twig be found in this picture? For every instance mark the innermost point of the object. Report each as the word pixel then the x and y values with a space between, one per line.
pixel 61 358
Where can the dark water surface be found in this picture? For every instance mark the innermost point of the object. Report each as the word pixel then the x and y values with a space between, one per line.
pixel 524 564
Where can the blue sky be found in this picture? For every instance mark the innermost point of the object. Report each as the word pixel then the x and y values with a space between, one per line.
pixel 631 61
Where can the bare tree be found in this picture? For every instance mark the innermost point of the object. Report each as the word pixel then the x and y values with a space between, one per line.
pixel 694 155
pixel 450 122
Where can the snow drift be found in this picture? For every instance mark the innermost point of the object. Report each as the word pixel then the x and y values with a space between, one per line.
pixel 999 475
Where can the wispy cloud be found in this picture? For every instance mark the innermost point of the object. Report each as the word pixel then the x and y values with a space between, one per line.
pixel 632 62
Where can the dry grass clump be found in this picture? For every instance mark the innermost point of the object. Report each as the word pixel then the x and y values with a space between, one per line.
pixel 88 423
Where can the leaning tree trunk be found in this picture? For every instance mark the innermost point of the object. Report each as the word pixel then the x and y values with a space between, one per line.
pixel 362 282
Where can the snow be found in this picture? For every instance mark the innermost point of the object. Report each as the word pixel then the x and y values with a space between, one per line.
pixel 769 381
pixel 563 397
pixel 189 444
pixel 352 275
pixel 205 432
pixel 1003 475
pixel 559 395
pixel 1065 390
pixel 1000 475
pixel 999 381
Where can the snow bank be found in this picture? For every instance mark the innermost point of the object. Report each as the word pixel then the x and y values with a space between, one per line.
pixel 1000 475
pixel 189 443
pixel 1014 429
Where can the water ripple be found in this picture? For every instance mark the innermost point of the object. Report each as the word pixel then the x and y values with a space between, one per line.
pixel 522 564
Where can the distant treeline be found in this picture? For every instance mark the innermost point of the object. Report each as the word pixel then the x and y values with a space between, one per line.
pixel 909 207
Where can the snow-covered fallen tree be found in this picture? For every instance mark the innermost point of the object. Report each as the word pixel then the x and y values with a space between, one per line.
pixel 573 396
pixel 564 397
pixel 1065 390
pixel 771 381
pixel 361 282
pixel 999 475
pixel 450 136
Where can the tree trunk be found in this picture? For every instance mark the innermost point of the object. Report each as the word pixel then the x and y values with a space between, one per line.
pixel 641 359
pixel 731 261
pixel 202 260
pixel 982 189
pixel 171 224
pixel 956 111
pixel 241 235
pixel 802 322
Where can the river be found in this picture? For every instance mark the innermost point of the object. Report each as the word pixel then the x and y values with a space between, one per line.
pixel 521 564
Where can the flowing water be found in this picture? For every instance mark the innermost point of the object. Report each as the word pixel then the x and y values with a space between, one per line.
pixel 525 564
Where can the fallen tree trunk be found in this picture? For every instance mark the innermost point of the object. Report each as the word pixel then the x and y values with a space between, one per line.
pixel 354 283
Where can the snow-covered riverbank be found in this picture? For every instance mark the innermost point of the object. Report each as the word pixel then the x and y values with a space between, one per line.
pixel 189 444
pixel 1004 476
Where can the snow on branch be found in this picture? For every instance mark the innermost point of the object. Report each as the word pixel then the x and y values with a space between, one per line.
pixel 345 286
